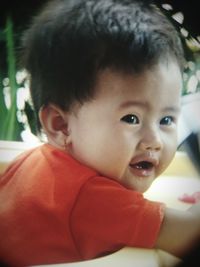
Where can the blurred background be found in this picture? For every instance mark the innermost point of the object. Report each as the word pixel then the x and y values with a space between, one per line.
pixel 16 114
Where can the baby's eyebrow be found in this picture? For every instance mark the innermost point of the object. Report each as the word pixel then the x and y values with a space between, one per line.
pixel 172 109
pixel 128 104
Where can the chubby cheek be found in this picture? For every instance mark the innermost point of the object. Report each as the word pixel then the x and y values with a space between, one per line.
pixel 168 154
pixel 114 156
pixel 106 152
pixel 121 152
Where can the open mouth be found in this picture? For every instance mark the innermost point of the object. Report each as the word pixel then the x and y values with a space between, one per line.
pixel 142 165
pixel 142 168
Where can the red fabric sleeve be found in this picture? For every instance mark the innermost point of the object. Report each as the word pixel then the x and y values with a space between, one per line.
pixel 107 217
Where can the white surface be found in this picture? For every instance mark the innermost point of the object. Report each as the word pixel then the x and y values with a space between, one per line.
pixel 169 189
pixel 127 257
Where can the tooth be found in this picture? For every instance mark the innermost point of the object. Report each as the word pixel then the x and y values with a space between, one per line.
pixel 138 166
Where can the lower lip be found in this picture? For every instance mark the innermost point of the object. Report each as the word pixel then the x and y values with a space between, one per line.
pixel 142 172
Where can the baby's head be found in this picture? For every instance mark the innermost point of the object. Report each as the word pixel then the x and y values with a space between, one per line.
pixel 106 77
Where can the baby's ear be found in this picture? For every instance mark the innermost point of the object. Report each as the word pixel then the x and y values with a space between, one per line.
pixel 54 121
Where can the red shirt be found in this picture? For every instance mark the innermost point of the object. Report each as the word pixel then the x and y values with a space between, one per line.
pixel 53 209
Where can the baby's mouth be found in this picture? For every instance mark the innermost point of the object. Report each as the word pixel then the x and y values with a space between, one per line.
pixel 142 165
pixel 144 168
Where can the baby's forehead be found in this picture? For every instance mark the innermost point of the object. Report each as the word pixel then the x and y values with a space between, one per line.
pixel 164 74
pixel 116 73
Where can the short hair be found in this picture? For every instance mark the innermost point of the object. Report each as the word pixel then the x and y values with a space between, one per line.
pixel 70 41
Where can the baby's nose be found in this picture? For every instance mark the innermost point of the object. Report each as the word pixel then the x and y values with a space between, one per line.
pixel 151 141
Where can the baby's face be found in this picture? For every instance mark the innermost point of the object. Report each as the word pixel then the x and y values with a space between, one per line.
pixel 128 132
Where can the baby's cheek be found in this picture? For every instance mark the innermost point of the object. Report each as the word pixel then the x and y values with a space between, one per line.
pixel 165 161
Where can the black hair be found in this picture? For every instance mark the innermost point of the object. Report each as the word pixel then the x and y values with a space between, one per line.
pixel 70 41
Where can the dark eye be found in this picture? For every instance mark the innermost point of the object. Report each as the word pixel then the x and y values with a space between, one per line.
pixel 168 120
pixel 130 118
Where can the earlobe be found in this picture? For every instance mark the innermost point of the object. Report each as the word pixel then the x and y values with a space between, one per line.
pixel 55 124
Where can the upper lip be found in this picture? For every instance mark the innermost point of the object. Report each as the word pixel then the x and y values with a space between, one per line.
pixel 153 159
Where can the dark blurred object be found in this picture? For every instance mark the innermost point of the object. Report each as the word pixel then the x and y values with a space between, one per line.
pixel 189 128
pixel 191 146
pixel 191 12
pixel 192 259
pixel 20 11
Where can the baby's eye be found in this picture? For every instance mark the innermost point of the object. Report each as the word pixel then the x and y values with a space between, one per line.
pixel 131 119
pixel 168 120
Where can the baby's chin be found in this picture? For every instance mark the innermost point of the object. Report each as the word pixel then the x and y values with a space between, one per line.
pixel 139 184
